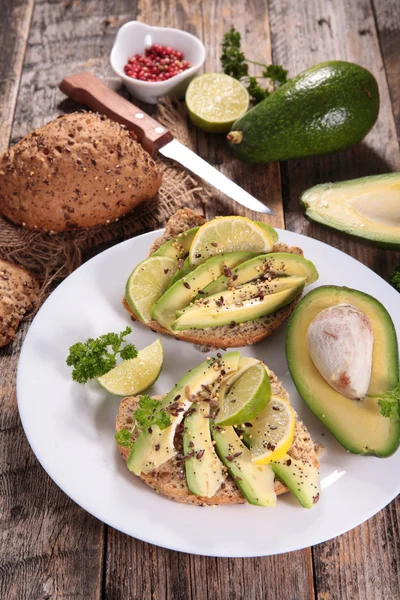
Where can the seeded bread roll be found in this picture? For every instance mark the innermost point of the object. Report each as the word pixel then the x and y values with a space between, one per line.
pixel 18 294
pixel 169 478
pixel 76 172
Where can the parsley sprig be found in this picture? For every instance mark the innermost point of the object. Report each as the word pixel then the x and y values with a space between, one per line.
pixel 235 64
pixel 389 402
pixel 148 414
pixel 96 357
pixel 395 279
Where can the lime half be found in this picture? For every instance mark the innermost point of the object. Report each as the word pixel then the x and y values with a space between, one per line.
pixel 229 234
pixel 137 374
pixel 215 101
pixel 147 283
pixel 246 398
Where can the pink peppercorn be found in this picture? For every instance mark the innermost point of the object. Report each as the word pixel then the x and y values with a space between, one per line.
pixel 157 64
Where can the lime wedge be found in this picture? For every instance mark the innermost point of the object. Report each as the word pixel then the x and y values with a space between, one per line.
pixel 135 375
pixel 245 398
pixel 272 431
pixel 229 234
pixel 147 283
pixel 215 101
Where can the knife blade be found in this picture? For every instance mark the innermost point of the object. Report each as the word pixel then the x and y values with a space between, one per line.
pixel 89 90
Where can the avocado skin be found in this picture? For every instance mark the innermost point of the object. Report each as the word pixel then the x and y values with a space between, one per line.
pixel 327 108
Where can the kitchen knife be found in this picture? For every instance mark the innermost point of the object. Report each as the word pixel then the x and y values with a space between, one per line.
pixel 87 89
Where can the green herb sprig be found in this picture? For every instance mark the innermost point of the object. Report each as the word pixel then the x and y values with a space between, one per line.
pixel 395 278
pixel 389 401
pixel 96 357
pixel 149 413
pixel 235 64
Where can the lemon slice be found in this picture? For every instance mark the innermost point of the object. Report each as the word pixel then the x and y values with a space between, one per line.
pixel 137 374
pixel 215 101
pixel 245 398
pixel 272 431
pixel 229 234
pixel 147 283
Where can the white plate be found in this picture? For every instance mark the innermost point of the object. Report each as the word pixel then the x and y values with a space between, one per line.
pixel 70 426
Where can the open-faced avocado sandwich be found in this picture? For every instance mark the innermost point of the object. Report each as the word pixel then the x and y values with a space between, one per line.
pixel 225 434
pixel 223 283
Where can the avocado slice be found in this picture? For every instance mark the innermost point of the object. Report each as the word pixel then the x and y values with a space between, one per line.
pixel 276 263
pixel 204 473
pixel 246 292
pixel 301 477
pixel 326 108
pixel 183 291
pixel 178 246
pixel 358 425
pixel 153 448
pixel 256 482
pixel 367 208
pixel 248 310
pixel 186 268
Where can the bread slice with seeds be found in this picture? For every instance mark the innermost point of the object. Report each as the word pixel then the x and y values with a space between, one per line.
pixel 223 336
pixel 169 478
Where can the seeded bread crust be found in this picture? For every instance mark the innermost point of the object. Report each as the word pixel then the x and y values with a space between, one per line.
pixel 224 336
pixel 18 294
pixel 78 171
pixel 169 479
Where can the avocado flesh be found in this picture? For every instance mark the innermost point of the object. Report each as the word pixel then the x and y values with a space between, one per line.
pixel 367 208
pixel 232 313
pixel 144 457
pixel 326 108
pixel 186 268
pixel 256 482
pixel 246 292
pixel 357 425
pixel 183 291
pixel 178 246
pixel 276 263
pixel 204 475
pixel 301 477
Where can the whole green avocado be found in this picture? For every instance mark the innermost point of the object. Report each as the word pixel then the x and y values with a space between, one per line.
pixel 327 108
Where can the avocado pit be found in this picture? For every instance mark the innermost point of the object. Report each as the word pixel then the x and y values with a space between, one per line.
pixel 340 342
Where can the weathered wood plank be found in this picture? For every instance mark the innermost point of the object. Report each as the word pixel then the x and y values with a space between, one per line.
pixel 166 574
pixel 387 18
pixel 364 563
pixel 304 34
pixel 14 28
pixel 262 181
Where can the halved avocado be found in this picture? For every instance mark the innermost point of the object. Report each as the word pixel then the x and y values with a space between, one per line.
pixel 276 263
pixel 357 424
pixel 368 207
pixel 183 291
pixel 232 313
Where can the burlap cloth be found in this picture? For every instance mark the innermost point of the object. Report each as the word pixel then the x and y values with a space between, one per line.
pixel 52 257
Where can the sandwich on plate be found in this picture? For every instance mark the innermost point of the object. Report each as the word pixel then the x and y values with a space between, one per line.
pixel 225 434
pixel 223 283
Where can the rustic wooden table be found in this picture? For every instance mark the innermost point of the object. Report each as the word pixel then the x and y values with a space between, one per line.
pixel 50 548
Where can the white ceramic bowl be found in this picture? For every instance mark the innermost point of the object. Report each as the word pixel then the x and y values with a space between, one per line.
pixel 134 37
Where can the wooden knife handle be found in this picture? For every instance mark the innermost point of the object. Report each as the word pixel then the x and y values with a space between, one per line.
pixel 89 90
